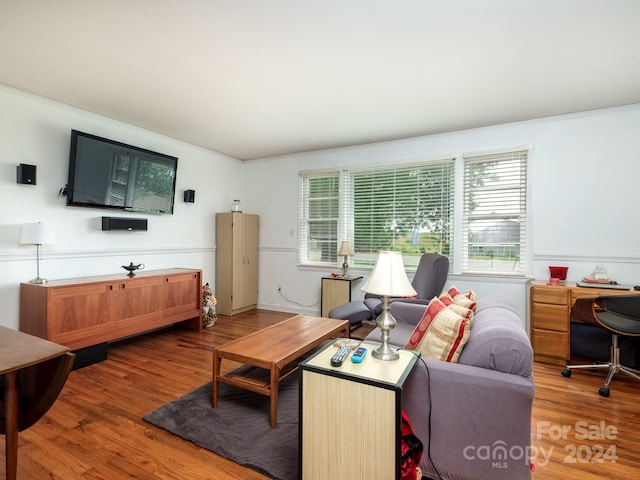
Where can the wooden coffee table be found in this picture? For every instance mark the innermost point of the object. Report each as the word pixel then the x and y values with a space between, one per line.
pixel 269 355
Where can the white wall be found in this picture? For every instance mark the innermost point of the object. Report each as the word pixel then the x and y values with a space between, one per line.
pixel 36 131
pixel 584 172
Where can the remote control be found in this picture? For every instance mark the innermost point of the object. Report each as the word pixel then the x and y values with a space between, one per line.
pixel 339 356
pixel 358 355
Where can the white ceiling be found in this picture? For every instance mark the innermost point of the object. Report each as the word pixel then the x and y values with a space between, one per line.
pixel 257 78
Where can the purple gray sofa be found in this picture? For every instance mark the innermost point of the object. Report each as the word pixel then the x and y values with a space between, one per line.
pixel 474 416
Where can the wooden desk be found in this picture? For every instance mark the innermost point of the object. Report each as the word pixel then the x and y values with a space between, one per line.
pixel 25 361
pixel 550 317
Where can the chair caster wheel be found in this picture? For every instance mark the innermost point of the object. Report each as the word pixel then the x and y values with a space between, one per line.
pixel 604 391
pixel 566 373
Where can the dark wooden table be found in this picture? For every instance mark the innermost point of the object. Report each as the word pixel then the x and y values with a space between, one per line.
pixel 25 361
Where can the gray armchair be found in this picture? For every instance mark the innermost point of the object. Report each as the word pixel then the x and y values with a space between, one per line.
pixel 428 282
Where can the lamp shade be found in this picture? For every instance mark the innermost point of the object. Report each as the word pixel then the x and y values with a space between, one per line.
pixel 346 248
pixel 37 234
pixel 389 277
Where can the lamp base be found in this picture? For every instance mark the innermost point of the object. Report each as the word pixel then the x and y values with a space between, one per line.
pixel 385 352
pixel 385 323
pixel 38 281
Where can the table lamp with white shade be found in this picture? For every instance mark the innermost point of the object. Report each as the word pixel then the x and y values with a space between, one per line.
pixel 388 279
pixel 345 249
pixel 37 234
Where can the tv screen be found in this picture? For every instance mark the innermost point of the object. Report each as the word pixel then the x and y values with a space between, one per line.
pixel 104 173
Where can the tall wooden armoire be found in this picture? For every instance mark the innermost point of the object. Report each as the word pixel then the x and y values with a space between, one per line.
pixel 236 262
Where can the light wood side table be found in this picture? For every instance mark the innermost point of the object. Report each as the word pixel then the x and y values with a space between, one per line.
pixel 336 291
pixel 346 410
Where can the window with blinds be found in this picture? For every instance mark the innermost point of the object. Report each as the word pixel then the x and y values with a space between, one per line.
pixel 407 208
pixel 319 216
pixel 495 213
pixel 410 208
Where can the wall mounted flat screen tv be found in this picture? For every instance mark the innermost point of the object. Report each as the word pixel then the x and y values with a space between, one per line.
pixel 104 173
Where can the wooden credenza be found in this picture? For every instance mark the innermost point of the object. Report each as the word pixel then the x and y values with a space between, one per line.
pixel 82 312
pixel 550 317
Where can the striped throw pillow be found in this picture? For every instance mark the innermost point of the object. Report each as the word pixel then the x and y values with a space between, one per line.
pixel 441 333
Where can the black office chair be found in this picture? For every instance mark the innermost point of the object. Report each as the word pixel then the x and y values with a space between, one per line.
pixel 620 314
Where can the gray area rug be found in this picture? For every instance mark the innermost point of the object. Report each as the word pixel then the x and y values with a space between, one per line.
pixel 238 429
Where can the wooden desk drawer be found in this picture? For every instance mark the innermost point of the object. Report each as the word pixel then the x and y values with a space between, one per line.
pixel 550 294
pixel 550 317
pixel 580 292
pixel 550 344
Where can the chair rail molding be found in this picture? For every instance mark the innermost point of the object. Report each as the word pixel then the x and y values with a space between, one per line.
pixel 73 254
pixel 567 258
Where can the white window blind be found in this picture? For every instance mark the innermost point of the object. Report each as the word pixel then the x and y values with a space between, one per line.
pixel 495 213
pixel 410 208
pixel 319 214
pixel 407 207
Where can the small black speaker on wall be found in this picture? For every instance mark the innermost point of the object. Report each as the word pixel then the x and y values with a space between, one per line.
pixel 190 196
pixel 26 174
pixel 130 224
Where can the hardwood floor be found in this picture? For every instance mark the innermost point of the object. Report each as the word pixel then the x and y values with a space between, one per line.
pixel 95 429
pixel 579 435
